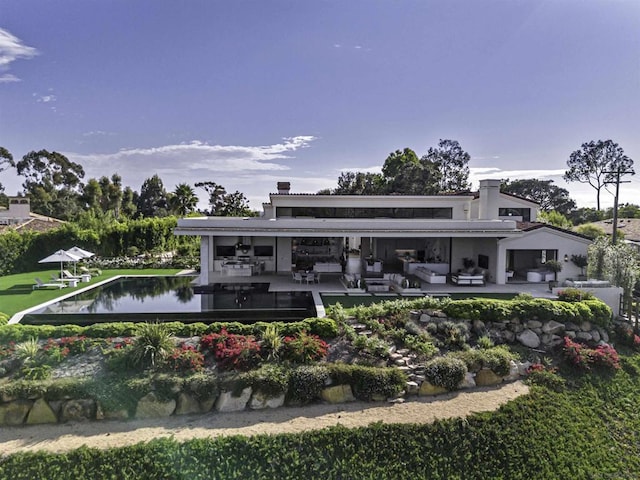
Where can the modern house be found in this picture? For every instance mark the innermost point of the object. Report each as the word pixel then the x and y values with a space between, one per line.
pixel 486 234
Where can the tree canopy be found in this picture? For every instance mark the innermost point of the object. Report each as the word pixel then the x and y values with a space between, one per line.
pixel 452 165
pixel 596 164
pixel 549 196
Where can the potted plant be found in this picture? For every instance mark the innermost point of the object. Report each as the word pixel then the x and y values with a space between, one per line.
pixel 580 261
pixel 554 266
pixel 468 264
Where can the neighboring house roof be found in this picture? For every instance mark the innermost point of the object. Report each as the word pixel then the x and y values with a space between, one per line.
pixel 36 223
pixel 630 227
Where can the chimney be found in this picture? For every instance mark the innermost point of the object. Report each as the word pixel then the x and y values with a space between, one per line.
pixel 489 199
pixel 283 188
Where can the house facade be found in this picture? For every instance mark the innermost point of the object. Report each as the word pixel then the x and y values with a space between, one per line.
pixel 493 233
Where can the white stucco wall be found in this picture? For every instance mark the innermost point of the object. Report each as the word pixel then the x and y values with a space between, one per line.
pixel 548 239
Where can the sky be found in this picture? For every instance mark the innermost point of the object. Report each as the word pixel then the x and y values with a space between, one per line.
pixel 247 93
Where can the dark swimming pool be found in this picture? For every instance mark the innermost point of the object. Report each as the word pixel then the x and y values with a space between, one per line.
pixel 168 298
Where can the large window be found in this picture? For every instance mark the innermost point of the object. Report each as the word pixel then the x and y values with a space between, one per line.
pixel 525 213
pixel 327 212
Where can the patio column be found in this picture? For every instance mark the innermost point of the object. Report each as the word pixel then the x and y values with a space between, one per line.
pixel 205 249
pixel 501 265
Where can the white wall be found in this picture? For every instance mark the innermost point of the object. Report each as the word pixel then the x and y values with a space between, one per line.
pixel 283 254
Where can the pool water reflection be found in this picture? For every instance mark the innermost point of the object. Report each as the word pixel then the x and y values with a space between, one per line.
pixel 173 298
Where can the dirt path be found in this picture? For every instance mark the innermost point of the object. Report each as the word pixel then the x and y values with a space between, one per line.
pixel 59 438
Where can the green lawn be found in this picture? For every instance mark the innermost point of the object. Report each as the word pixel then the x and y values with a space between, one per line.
pixel 17 293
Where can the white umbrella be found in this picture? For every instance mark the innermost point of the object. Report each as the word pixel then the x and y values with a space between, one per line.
pixel 79 252
pixel 60 256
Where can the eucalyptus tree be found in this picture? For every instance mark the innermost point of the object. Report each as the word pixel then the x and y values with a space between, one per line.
pixel 598 164
pixel 549 196
pixel 452 164
pixel 53 182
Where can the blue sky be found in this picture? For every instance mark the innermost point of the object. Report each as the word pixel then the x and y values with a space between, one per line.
pixel 247 93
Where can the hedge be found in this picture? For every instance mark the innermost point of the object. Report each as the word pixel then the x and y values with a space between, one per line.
pixel 490 310
pixel 323 327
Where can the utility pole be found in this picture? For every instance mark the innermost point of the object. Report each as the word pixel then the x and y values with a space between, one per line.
pixel 617 173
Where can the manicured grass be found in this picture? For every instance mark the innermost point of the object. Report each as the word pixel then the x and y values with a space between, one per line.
pixel 17 293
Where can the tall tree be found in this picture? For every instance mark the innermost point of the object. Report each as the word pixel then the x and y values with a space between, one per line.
pixel 53 183
pixel 216 195
pixel 359 183
pixel 152 201
pixel 549 196
pixel 596 163
pixel 452 163
pixel 235 205
pixel 398 161
pixel 184 199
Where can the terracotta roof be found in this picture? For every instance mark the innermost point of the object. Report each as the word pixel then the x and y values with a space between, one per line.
pixel 629 226
pixel 37 223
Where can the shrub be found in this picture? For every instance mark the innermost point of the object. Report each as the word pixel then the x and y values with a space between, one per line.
pixel 574 295
pixel 368 382
pixel 202 386
pixel 626 336
pixel 271 380
pixel 583 357
pixel 537 374
pixel 455 334
pixel 445 372
pixel 305 383
pixel 28 351
pixel 602 313
pixel 304 348
pixel 185 358
pixel 421 344
pixel 323 327
pixel 232 351
pixel 4 318
pixel 272 342
pixel 497 359
pixel 373 345
pixel 485 342
pixel 152 346
pixel 37 372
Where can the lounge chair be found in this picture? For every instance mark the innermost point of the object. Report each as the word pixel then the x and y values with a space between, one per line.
pixel 94 272
pixel 67 274
pixel 41 284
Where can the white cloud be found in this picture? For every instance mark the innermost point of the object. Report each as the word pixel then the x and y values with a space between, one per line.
pixel 11 49
pixel 46 98
pixel 8 78
pixel 250 169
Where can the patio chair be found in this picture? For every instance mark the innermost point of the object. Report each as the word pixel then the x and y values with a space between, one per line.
pixel 297 277
pixel 41 284
pixel 310 278
pixel 94 272
pixel 69 275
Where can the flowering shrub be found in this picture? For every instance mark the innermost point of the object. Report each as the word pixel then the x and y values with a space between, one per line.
pixel 185 358
pixel 120 343
pixel 231 351
pixel 75 344
pixel 584 357
pixel 304 348
pixel 54 351
pixel 628 336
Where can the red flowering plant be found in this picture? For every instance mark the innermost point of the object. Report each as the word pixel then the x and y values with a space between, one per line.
pixel 232 351
pixel 584 357
pixel 119 343
pixel 54 352
pixel 75 344
pixel 628 336
pixel 304 348
pixel 185 358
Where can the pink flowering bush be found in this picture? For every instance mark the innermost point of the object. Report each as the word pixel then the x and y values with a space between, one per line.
pixel 231 351
pixel 584 358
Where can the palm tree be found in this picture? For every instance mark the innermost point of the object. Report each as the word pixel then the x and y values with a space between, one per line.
pixel 184 199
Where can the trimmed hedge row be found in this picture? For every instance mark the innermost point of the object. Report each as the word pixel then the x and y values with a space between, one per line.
pixel 323 327
pixel 302 384
pixel 583 433
pixel 543 309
